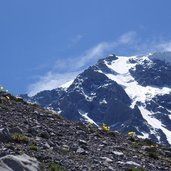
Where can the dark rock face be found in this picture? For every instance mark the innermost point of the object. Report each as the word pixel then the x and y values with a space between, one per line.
pixel 156 73
pixel 86 94
pixel 47 97
pixel 103 99
pixel 163 100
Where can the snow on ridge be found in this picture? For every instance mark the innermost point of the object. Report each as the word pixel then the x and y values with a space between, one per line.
pixel 134 90
pixel 85 116
pixel 67 84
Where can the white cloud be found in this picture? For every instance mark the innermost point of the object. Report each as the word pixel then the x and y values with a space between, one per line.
pixel 128 42
pixel 128 37
pixel 165 46
pixel 90 55
pixel 93 54
pixel 50 81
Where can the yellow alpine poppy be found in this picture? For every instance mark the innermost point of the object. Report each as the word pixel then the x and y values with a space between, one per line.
pixel 131 133
pixel 105 127
pixel 8 98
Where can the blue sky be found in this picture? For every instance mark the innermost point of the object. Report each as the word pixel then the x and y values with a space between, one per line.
pixel 45 43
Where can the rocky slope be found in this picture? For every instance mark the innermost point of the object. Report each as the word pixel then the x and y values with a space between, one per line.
pixel 36 139
pixel 127 93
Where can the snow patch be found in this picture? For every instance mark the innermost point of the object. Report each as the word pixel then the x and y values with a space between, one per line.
pixel 67 84
pixel 155 123
pixel 85 116
pixel 144 136
pixel 170 117
pixel 103 101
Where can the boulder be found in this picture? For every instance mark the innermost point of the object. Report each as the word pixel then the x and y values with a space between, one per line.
pixel 19 163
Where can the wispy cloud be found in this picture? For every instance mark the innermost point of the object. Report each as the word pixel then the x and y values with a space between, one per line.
pixel 127 38
pixel 93 54
pixel 128 43
pixel 165 46
pixel 50 81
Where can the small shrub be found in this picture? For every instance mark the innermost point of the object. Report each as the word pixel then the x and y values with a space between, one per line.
pixel 18 99
pixel 33 146
pixel 132 139
pixel 112 133
pixel 148 142
pixel 137 169
pixel 153 155
pixel 19 138
pixel 55 167
pixel 135 145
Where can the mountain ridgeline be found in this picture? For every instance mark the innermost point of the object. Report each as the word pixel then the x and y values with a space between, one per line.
pixel 126 93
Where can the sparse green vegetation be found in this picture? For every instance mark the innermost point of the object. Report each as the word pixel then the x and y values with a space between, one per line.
pixel 135 145
pixel 3 106
pixel 112 133
pixel 153 155
pixel 137 169
pixel 33 146
pixel 148 142
pixel 132 139
pixel 55 167
pixel 18 99
pixel 19 138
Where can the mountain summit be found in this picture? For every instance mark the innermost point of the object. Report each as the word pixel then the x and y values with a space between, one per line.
pixel 127 93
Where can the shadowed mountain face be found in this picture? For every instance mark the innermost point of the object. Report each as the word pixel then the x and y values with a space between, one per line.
pixel 127 93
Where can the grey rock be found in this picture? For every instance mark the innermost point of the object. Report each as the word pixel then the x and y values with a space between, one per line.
pixel 168 153
pixel 82 142
pixel 33 131
pixel 117 153
pixel 66 147
pixel 5 135
pixel 19 163
pixel 16 130
pixel 106 159
pixel 110 168
pixel 45 135
pixel 81 151
pixel 132 163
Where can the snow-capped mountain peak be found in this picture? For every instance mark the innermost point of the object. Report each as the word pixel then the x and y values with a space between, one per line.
pixel 128 93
